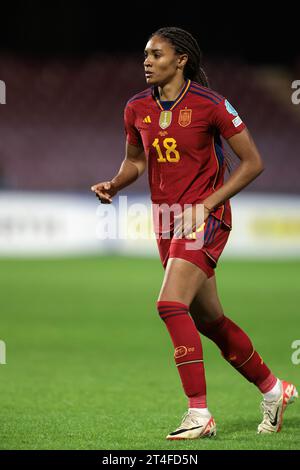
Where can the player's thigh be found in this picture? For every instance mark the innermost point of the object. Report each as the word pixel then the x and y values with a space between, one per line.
pixel 206 305
pixel 182 280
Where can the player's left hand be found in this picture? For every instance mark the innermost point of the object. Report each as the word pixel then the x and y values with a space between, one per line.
pixel 190 221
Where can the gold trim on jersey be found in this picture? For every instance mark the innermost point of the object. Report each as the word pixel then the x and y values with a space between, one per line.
pixel 180 97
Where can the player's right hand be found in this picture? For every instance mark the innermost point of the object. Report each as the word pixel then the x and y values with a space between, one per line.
pixel 104 191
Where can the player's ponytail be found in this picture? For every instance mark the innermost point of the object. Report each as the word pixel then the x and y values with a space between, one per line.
pixel 202 78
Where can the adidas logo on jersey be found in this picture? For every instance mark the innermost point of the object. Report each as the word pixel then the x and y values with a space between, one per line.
pixel 147 119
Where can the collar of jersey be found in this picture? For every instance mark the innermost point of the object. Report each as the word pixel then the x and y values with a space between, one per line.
pixel 179 98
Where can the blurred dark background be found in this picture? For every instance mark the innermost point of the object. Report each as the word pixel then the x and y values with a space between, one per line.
pixel 64 28
pixel 70 67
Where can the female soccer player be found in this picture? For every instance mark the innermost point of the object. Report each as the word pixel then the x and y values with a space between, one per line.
pixel 175 125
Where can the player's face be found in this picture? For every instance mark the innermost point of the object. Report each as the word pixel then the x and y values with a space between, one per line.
pixel 161 61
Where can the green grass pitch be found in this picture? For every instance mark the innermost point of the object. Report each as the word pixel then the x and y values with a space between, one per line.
pixel 90 364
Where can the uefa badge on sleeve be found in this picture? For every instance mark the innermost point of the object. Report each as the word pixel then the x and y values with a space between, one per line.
pixel 230 108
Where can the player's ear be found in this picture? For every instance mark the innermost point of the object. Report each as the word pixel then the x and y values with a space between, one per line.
pixel 182 60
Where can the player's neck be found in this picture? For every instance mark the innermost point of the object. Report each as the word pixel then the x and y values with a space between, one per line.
pixel 171 90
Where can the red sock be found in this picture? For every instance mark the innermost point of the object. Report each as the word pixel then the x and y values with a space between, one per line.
pixel 188 353
pixel 237 349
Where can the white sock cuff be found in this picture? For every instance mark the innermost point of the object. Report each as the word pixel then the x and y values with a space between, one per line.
pixel 203 411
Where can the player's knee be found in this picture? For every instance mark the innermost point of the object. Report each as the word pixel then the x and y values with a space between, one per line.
pixel 210 328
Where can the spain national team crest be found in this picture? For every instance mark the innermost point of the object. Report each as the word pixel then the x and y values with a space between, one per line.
pixel 165 119
pixel 185 117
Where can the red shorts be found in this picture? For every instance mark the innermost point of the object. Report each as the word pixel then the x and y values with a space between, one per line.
pixel 216 234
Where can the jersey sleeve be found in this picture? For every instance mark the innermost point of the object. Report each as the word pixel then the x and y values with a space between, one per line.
pixel 132 134
pixel 226 119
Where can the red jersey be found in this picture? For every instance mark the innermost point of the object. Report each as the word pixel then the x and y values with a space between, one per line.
pixel 182 143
